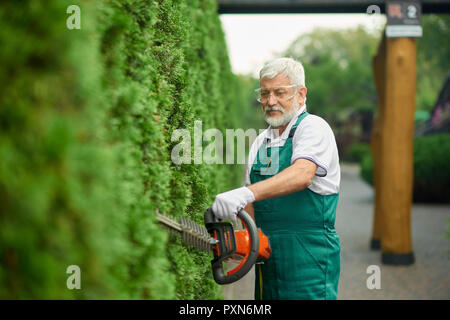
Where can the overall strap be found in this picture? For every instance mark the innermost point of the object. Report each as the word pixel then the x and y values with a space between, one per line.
pixel 294 127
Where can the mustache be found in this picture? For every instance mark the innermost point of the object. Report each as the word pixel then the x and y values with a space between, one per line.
pixel 274 108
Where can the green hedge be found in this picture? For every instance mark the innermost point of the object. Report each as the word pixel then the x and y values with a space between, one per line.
pixel 85 141
pixel 431 168
pixel 357 151
pixel 366 166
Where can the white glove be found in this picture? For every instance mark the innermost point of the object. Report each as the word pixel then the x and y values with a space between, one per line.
pixel 228 204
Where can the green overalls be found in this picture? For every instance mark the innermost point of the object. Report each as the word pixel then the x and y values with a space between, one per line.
pixel 305 261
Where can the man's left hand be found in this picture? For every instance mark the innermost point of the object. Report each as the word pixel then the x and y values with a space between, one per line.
pixel 228 204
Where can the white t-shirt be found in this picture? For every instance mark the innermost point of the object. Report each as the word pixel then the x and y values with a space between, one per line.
pixel 313 140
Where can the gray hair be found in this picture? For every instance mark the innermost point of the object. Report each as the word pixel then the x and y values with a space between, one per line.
pixel 287 66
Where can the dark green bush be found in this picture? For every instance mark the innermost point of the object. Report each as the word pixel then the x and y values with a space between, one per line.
pixel 366 171
pixel 86 120
pixel 431 168
pixel 357 151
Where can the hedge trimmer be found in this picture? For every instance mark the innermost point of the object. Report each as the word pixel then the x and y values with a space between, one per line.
pixel 247 246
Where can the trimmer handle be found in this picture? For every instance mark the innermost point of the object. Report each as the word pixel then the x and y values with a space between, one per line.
pixel 226 247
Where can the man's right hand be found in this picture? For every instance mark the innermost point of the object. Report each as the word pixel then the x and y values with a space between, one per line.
pixel 228 204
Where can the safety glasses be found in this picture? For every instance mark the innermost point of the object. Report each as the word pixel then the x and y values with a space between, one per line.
pixel 282 93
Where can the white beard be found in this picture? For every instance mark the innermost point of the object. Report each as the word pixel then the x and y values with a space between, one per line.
pixel 285 117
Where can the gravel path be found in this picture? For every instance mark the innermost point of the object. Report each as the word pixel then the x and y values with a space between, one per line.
pixel 428 278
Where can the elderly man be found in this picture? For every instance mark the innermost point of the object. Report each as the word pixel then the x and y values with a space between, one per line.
pixel 292 190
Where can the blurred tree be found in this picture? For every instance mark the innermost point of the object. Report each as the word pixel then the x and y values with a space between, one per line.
pixel 338 70
pixel 433 62
pixel 338 67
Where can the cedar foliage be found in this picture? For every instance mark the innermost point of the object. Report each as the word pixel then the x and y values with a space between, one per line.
pixel 86 121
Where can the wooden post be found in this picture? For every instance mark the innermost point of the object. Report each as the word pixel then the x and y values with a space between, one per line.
pixel 378 67
pixel 395 168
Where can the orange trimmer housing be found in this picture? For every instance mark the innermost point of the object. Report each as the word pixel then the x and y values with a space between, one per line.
pixel 248 246
pixel 243 244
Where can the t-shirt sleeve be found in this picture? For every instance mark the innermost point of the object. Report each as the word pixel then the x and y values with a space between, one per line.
pixel 313 140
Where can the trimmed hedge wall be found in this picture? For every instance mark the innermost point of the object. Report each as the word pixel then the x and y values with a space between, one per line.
pixel 85 141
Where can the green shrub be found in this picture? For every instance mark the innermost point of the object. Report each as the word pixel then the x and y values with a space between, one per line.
pixel 85 143
pixel 357 151
pixel 431 168
pixel 57 186
pixel 366 171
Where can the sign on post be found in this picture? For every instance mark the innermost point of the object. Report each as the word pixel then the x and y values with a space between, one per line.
pixel 403 19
